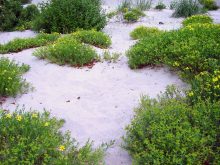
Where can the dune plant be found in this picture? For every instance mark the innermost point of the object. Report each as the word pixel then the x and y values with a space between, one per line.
pixel 111 57
pixel 142 4
pixel 20 44
pixel 133 15
pixel 67 50
pixel 160 5
pixel 11 80
pixel 67 16
pixel 168 130
pixel 143 31
pixel 202 19
pixel 209 4
pixel 187 8
pixel 93 37
pixel 35 138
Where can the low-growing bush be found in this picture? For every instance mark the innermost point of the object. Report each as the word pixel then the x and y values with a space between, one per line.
pixel 11 80
pixel 67 50
pixel 190 51
pixel 93 37
pixel 209 4
pixel 187 8
pixel 69 15
pixel 160 6
pixel 133 15
pixel 143 31
pixel 205 85
pixel 36 138
pixel 19 44
pixel 169 131
pixel 197 19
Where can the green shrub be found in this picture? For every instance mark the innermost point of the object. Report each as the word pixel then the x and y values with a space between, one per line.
pixel 29 13
pixel 197 19
pixel 69 15
pixel 143 31
pixel 187 8
pixel 13 14
pixel 160 6
pixel 11 81
pixel 169 131
pixel 209 4
pixel 133 15
pixel 18 44
pixel 205 85
pixel 67 50
pixel 190 51
pixel 93 37
pixel 35 138
pixel 10 11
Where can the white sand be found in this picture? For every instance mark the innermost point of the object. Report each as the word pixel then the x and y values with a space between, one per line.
pixel 108 92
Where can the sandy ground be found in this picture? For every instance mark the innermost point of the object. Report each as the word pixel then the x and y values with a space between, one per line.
pixel 96 103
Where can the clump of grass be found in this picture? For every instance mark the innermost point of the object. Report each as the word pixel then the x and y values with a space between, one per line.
pixel 133 15
pixel 142 32
pixel 143 4
pixel 107 56
pixel 125 6
pixel 11 80
pixel 35 138
pixel 93 37
pixel 187 8
pixel 202 19
pixel 160 6
pixel 67 50
pixel 18 44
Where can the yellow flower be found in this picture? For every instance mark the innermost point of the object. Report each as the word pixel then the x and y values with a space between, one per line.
pixel 190 94
pixel 34 115
pixel 176 64
pixel 46 124
pixel 8 115
pixel 61 148
pixel 19 117
pixel 215 79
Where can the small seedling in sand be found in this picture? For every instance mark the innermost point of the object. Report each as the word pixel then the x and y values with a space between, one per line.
pixel 107 56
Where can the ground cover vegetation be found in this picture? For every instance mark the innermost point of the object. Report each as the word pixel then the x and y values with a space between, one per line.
pixel 143 32
pixel 35 138
pixel 93 37
pixel 67 50
pixel 20 44
pixel 11 80
pixel 179 127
